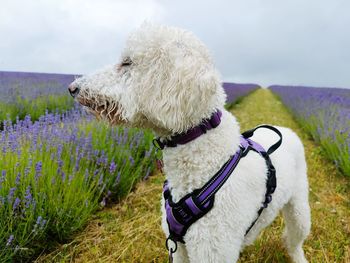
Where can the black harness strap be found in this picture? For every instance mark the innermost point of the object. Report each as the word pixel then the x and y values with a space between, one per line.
pixel 250 133
pixel 271 181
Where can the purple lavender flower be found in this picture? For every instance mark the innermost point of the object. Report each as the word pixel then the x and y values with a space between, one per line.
pixel 18 178
pixel 38 169
pixel 40 224
pixel 2 178
pixel 59 151
pixel 3 174
pixel 60 165
pixel 16 203
pixel 63 176
pixel 10 240
pixel 100 181
pixel 28 197
pixel 26 171
pixel 112 167
pixel 117 179
pixel 11 194
pixel 38 220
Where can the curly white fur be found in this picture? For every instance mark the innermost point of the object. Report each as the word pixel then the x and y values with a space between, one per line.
pixel 170 86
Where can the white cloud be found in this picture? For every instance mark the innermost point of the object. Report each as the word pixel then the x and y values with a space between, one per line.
pixel 271 41
pixel 68 36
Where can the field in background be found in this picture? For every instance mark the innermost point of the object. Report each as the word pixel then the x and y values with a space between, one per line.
pixel 236 91
pixel 325 114
pixel 58 165
pixel 58 171
pixel 23 93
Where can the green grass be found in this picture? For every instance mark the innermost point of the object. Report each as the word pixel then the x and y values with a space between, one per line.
pixel 35 107
pixel 130 231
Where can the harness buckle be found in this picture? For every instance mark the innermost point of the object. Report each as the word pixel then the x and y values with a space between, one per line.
pixel 158 144
pixel 170 249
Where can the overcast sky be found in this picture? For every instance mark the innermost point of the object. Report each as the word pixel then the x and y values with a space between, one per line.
pixel 259 41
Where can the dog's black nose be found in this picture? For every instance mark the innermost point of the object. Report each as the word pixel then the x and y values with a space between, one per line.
pixel 73 90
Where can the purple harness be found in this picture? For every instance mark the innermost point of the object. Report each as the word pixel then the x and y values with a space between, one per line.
pixel 182 214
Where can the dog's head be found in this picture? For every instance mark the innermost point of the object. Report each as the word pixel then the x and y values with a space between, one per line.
pixel 164 80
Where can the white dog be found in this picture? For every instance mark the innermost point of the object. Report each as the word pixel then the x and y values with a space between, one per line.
pixel 166 81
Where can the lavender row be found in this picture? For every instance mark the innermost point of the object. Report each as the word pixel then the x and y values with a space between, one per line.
pixel 33 94
pixel 55 172
pixel 35 107
pixel 236 91
pixel 14 85
pixel 325 114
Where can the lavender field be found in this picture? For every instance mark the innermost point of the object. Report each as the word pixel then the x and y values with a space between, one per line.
pixel 58 165
pixel 23 93
pixel 236 91
pixel 325 114
pixel 32 85
pixel 58 168
pixel 57 171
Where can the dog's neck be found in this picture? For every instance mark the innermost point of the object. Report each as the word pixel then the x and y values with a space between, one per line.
pixel 191 134
pixel 190 166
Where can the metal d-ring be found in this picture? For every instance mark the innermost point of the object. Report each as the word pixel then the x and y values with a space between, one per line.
pixel 170 249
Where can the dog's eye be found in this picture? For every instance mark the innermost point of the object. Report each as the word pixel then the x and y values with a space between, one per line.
pixel 126 62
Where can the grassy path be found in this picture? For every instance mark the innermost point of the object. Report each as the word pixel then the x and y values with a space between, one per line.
pixel 130 231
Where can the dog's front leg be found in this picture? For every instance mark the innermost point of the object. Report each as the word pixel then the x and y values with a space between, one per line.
pixel 212 255
pixel 208 254
pixel 180 256
pixel 205 245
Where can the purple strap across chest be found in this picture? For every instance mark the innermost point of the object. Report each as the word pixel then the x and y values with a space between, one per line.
pixel 193 206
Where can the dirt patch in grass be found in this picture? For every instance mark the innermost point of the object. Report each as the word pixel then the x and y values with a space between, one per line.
pixel 130 231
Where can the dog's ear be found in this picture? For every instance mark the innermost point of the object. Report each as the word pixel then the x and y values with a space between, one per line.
pixel 186 86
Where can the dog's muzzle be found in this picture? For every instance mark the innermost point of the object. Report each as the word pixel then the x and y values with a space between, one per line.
pixel 73 90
